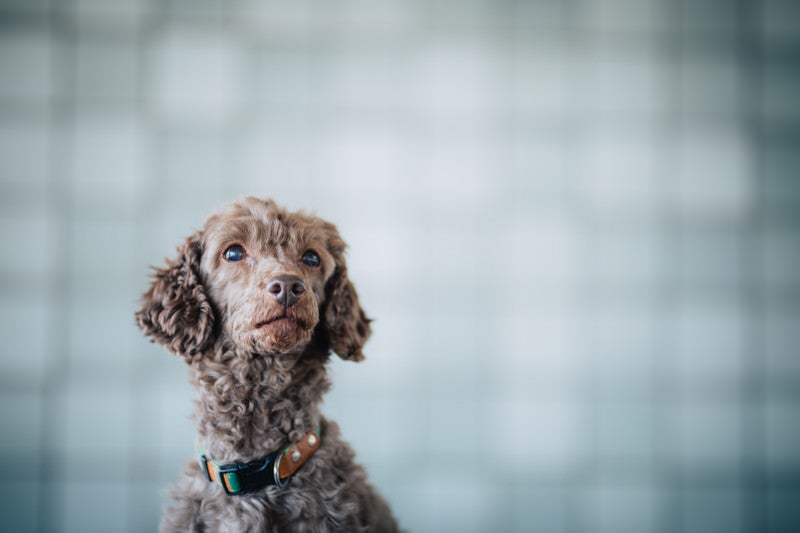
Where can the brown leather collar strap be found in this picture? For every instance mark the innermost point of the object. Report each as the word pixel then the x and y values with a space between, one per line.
pixel 294 456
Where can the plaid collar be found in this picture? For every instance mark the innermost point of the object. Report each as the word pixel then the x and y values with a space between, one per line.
pixel 274 469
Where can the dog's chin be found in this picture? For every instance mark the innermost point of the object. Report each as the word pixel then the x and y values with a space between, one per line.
pixel 284 335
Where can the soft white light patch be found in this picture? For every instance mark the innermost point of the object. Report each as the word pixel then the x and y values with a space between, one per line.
pixel 539 79
pixel 197 77
pixel 538 249
pixel 537 349
pixel 715 176
pixel 619 170
pixel 364 157
pixel 454 80
pixel 108 161
pixel 540 434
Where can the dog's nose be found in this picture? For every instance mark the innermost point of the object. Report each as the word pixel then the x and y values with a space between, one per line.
pixel 286 289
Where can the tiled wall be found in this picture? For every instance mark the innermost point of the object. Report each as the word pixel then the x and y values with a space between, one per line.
pixel 577 224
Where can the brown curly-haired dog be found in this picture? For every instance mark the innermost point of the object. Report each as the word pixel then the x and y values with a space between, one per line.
pixel 254 303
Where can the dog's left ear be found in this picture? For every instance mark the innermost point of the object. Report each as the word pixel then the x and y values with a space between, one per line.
pixel 176 311
pixel 346 323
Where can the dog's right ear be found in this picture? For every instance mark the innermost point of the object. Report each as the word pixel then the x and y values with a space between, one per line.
pixel 176 311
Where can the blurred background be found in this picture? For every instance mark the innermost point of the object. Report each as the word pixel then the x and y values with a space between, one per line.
pixel 576 222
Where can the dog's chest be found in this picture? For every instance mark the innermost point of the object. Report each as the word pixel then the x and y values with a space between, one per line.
pixel 274 509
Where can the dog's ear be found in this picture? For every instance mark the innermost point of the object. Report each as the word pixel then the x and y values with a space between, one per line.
pixel 176 311
pixel 346 323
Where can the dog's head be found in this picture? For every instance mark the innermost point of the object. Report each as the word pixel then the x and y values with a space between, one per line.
pixel 269 280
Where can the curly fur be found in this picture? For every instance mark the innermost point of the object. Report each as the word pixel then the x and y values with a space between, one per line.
pixel 260 369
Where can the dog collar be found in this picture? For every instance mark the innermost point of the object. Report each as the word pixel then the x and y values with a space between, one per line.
pixel 274 469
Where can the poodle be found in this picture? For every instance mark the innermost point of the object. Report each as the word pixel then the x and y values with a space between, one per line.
pixel 254 303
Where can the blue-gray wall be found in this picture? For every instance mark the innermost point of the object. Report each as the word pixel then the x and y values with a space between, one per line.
pixel 577 224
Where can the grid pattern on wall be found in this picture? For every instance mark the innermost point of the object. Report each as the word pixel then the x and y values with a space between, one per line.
pixel 577 224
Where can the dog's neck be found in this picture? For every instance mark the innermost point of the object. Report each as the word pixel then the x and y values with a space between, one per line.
pixel 250 405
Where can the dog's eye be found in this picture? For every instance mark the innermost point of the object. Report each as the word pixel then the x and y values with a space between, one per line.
pixel 233 253
pixel 311 258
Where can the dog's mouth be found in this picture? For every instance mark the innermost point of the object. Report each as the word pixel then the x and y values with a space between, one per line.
pixel 284 318
pixel 275 320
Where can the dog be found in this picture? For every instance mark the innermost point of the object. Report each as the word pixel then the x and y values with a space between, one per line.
pixel 255 302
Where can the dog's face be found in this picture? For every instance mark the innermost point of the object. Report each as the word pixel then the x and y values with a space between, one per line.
pixel 266 272
pixel 267 279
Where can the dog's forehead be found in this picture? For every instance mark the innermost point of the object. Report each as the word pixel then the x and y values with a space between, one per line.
pixel 265 228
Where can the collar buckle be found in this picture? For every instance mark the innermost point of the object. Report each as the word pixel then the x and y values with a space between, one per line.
pixel 234 477
pixel 276 465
